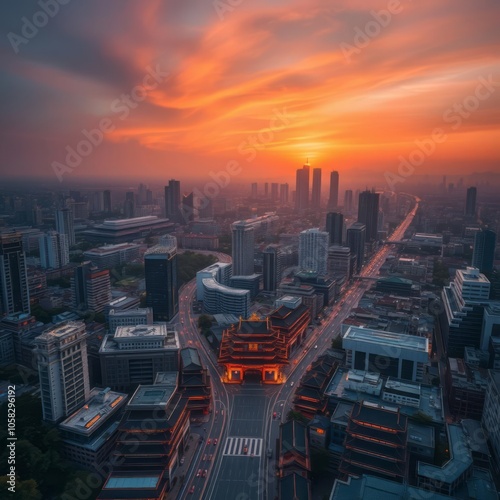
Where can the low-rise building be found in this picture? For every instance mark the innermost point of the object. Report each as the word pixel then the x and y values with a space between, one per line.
pixel 109 256
pixel 391 354
pixel 132 317
pixel 89 434
pixel 135 354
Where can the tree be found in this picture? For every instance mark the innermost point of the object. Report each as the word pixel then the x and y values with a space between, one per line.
pixel 25 490
pixel 320 458
pixel 205 322
pixel 337 342
pixel 298 416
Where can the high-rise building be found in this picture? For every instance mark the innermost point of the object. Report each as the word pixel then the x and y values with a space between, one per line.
pixel 62 369
pixel 339 262
pixel 243 239
pixel 54 250
pixel 483 255
pixel 255 192
pixel 356 238
pixel 266 190
pixel 65 225
pixel 302 188
pixel 470 202
pixel 187 208
pixel 313 251
pixel 464 301
pixel 107 201
pixel 271 267
pixel 348 206
pixel 333 200
pixel 173 201
pixel 368 213
pixel 284 193
pixel 316 189
pixel 160 263
pixel 129 205
pixel 90 287
pixel 335 227
pixel 14 291
pixel 274 191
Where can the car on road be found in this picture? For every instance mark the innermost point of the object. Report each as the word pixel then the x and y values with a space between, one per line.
pixel 291 384
pixel 204 457
pixel 210 457
pixel 209 440
pixel 215 442
pixel 274 415
pixel 198 474
pixel 315 346
pixel 269 452
pixel 191 490
pixel 204 474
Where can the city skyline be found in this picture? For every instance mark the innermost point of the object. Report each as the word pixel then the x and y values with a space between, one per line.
pixel 212 102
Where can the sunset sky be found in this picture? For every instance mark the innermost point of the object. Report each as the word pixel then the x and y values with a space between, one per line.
pixel 336 85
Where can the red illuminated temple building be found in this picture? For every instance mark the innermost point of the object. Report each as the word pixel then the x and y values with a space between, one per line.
pixel 255 348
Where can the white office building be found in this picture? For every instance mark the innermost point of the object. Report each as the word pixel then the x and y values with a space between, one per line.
pixel 313 251
pixel 390 354
pixel 63 369
pixel 54 250
pixel 220 272
pixel 221 299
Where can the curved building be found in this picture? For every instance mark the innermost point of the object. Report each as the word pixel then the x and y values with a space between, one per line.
pixel 221 299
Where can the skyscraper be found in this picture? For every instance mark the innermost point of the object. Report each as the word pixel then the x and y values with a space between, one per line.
pixel 107 201
pixel 348 201
pixel 335 227
pixel 368 213
pixel 284 193
pixel 484 250
pixel 54 250
pixel 254 194
pixel 271 267
pixel 173 201
pixel 187 208
pixel 470 202
pixel 14 292
pixel 313 251
pixel 316 189
pixel 333 200
pixel 62 369
pixel 160 266
pixel 65 225
pixel 274 191
pixel 243 240
pixel 129 205
pixel 90 287
pixel 302 188
pixel 356 237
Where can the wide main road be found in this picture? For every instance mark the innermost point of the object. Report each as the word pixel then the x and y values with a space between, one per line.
pixel 243 422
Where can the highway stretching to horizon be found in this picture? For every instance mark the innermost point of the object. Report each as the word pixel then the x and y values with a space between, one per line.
pixel 242 415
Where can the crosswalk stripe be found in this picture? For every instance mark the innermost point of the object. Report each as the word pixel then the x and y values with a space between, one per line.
pixel 234 446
